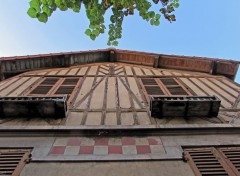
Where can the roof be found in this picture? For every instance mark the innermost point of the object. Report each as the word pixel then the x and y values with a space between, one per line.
pixel 18 64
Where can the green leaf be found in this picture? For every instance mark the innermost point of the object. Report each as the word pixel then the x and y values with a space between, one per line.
pixel 176 5
pixel 156 23
pixel 93 37
pixel 157 16
pixel 35 4
pixel 32 12
pixel 44 2
pixel 115 43
pixel 47 10
pixel 151 14
pixel 152 21
pixel 95 32
pixel 88 32
pixel 42 17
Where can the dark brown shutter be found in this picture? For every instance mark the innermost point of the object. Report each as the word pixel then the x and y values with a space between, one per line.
pixel 173 87
pixel 50 81
pixel 41 90
pixel 45 86
pixel 70 81
pixel 151 86
pixel 65 90
pixel 233 156
pixel 207 162
pixel 13 161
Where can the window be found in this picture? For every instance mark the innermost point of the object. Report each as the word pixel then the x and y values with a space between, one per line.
pixel 214 160
pixel 12 161
pixel 52 86
pixel 162 86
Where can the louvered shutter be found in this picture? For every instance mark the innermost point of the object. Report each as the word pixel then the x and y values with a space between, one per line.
pixel 207 162
pixel 67 86
pixel 151 86
pixel 13 161
pixel 45 86
pixel 173 86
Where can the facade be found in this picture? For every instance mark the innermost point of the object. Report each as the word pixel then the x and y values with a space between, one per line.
pixel 91 112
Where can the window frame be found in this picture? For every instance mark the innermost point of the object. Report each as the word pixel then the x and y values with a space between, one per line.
pixel 54 87
pixel 26 157
pixel 192 156
pixel 164 88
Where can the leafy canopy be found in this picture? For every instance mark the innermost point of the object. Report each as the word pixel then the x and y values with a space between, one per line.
pixel 95 10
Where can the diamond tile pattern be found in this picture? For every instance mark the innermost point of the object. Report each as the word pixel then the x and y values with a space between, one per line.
pixel 107 146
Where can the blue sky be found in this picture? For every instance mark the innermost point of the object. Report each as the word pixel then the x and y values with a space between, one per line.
pixel 203 28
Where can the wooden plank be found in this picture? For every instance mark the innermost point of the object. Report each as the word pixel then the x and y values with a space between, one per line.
pixel 157 72
pixel 218 90
pixel 42 73
pixel 111 93
pixel 128 70
pixel 127 118
pixel 98 96
pixel 111 119
pixel 53 72
pixel 193 87
pixel 63 72
pixel 82 71
pixel 123 95
pixel 86 87
pixel 25 86
pixel 134 88
pixel 73 71
pixel 143 118
pixel 231 84
pixel 167 73
pixel 93 118
pixel 74 119
pixel 138 71
pixel 147 71
pixel 13 86
pixel 6 83
pixel 225 103
pixel 177 74
pixel 93 70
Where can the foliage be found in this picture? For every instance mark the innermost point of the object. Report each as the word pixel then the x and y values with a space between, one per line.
pixel 96 9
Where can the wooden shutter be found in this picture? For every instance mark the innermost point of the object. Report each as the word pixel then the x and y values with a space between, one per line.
pixel 151 86
pixel 209 161
pixel 44 87
pixel 173 86
pixel 13 161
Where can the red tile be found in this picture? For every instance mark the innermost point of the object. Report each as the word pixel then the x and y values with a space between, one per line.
pixel 86 150
pixel 74 142
pixel 143 149
pixel 101 141
pixel 57 150
pixel 115 149
pixel 128 141
pixel 152 141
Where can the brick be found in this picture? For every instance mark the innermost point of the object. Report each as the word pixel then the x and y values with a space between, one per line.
pixel 74 142
pixel 141 141
pixel 101 141
pixel 87 142
pixel 115 141
pixel 129 150
pixel 86 150
pixel 100 150
pixel 143 149
pixel 115 149
pixel 72 150
pixel 157 149
pixel 154 141
pixel 57 150
pixel 61 142
pixel 128 141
